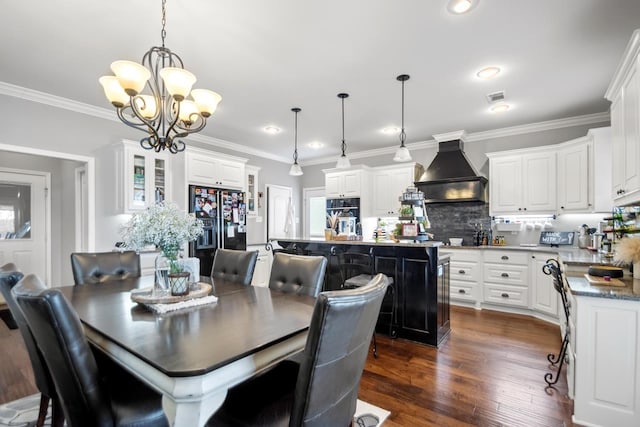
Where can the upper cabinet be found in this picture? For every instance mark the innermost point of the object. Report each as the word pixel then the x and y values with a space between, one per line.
pixel 215 170
pixel 144 177
pixel 341 183
pixel 388 185
pixel 252 189
pixel 522 182
pixel 624 94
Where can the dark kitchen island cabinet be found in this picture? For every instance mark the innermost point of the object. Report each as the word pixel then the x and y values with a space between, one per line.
pixel 420 281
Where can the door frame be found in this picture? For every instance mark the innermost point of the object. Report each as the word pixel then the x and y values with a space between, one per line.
pixel 267 187
pixel 308 192
pixel 90 197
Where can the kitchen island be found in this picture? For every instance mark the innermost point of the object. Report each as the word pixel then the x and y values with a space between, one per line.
pixel 420 296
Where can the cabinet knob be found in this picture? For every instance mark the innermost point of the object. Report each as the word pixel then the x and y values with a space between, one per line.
pixel 524 209
pixel 462 291
pixel 561 207
pixel 505 295
pixel 504 275
pixel 461 271
pixel 519 209
pixel 504 257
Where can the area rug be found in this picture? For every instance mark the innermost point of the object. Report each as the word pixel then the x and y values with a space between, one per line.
pixel 24 413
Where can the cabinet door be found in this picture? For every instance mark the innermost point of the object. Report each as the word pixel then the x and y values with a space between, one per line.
pixel 506 184
pixel 261 272
pixel 332 185
pixel 540 189
pixel 351 184
pixel 631 112
pixel 230 174
pixel 252 190
pixel 381 189
pixel 573 178
pixel 146 178
pixel 544 295
pixel 201 170
pixel 617 146
pixel 138 181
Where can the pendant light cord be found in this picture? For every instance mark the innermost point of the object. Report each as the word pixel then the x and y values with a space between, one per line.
pixel 295 138
pixel 163 32
pixel 402 78
pixel 344 145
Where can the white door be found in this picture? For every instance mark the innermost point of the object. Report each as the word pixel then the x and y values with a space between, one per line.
pixel 280 215
pixel 23 207
pixel 315 212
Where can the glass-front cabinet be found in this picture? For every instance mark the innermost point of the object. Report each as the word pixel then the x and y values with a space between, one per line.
pixel 144 177
pixel 252 190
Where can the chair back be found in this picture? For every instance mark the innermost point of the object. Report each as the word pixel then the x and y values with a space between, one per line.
pixel 234 265
pixel 98 267
pixel 335 354
pixel 299 274
pixel 9 277
pixel 59 335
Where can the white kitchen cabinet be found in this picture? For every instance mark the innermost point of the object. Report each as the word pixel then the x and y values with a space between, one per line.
pixel 144 177
pixel 389 183
pixel 544 297
pixel 262 271
pixel 465 275
pixel 215 170
pixel 505 278
pixel 344 184
pixel 573 176
pixel 607 372
pixel 624 94
pixel 523 181
pixel 252 189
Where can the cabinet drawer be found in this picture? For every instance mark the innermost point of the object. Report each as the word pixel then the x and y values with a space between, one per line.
pixel 506 274
pixel 506 257
pixel 469 255
pixel 463 291
pixel 465 271
pixel 506 295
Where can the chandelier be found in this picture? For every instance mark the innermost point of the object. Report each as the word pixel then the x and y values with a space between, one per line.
pixel 166 114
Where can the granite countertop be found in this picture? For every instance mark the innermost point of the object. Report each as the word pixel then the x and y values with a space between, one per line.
pixel 569 254
pixel 580 287
pixel 428 243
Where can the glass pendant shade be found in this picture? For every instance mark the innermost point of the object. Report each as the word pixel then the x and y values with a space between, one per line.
pixel 146 105
pixel 206 100
pixel 402 155
pixel 343 162
pixel 295 170
pixel 131 76
pixel 188 112
pixel 178 81
pixel 113 91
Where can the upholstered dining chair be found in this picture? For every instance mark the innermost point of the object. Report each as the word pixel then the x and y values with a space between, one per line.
pixel 322 390
pixel 98 267
pixel 89 396
pixel 9 277
pixel 301 274
pixel 234 265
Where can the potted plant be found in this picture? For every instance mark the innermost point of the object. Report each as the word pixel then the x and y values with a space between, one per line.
pixel 168 228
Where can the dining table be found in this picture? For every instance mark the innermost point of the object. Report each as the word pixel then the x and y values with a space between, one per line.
pixel 192 356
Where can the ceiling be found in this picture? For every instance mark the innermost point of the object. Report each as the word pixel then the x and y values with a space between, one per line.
pixel 265 57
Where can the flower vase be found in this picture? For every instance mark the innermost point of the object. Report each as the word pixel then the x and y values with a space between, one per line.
pixel 161 282
pixel 179 283
pixel 636 270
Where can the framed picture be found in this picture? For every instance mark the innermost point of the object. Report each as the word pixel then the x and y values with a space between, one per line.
pixel 409 229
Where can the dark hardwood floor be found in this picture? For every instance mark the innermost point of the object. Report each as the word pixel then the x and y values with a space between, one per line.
pixel 489 372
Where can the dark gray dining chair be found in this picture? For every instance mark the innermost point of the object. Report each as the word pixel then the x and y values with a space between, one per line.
pixel 234 265
pixel 98 267
pixel 322 389
pixel 89 396
pixel 301 274
pixel 9 277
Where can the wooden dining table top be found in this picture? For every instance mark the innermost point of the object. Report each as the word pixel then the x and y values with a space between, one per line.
pixel 196 340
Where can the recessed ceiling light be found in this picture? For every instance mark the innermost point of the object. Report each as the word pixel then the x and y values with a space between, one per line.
pixel 488 73
pixel 500 108
pixel 391 130
pixel 271 129
pixel 316 145
pixel 461 6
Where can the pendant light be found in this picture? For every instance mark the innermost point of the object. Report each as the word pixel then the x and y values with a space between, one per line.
pixel 402 153
pixel 343 161
pixel 295 170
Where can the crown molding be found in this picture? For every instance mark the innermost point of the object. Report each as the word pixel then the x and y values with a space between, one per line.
pixel 107 114
pixel 103 113
pixel 628 61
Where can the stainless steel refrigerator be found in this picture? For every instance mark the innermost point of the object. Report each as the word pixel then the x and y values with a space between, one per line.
pixel 223 213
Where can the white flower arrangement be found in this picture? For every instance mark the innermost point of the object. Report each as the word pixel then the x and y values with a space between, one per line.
pixel 166 226
pixel 628 250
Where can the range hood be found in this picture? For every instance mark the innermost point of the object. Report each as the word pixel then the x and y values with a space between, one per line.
pixel 451 177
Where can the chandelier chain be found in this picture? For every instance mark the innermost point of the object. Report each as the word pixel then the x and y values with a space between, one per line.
pixel 163 32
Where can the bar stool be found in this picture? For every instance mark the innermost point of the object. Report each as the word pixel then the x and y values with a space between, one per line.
pixel 552 268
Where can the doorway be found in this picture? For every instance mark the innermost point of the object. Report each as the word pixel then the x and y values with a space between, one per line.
pixel 280 213
pixel 314 212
